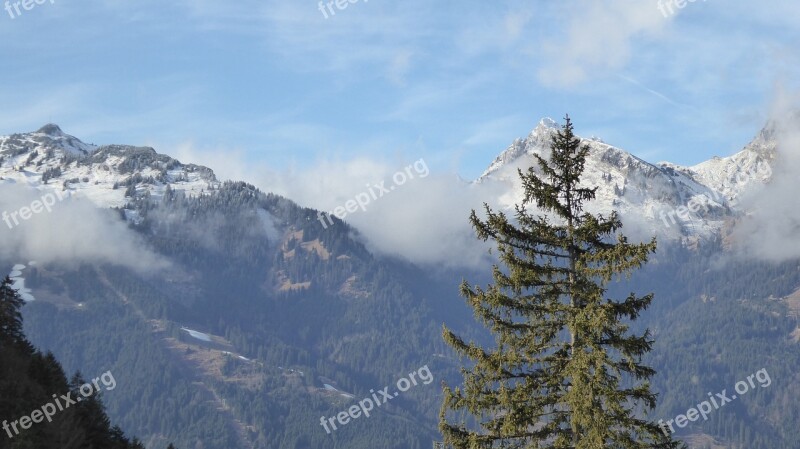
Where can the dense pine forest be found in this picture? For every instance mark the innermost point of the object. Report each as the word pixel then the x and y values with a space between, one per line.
pixel 31 380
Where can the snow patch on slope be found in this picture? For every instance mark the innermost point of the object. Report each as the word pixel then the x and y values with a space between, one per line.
pixel 197 335
pixel 18 282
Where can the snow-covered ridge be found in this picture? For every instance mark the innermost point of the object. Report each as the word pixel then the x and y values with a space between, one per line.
pixel 648 193
pixel 49 159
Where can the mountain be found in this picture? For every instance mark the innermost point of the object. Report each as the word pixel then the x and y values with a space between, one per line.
pixel 648 195
pixel 49 159
pixel 258 323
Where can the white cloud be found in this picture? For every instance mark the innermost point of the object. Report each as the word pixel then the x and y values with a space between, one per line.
pixel 486 31
pixel 771 230
pixel 425 220
pixel 599 38
pixel 74 231
pixel 228 164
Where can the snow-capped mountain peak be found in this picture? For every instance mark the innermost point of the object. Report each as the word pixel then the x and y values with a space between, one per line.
pixel 654 195
pixel 50 136
pixel 51 129
pixel 538 138
pixel 657 196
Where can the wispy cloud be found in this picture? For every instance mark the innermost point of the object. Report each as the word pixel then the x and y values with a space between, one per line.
pixel 654 92
pixel 498 130
pixel 598 39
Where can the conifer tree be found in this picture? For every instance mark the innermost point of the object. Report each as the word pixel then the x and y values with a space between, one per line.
pixel 566 372
pixel 11 316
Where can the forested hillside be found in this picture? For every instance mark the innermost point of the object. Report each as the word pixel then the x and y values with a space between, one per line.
pixel 40 408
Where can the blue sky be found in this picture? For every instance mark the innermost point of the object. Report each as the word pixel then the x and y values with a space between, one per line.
pixel 276 84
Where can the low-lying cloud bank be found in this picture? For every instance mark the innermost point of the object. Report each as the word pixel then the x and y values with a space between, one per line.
pixel 771 228
pixel 70 230
pixel 424 219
